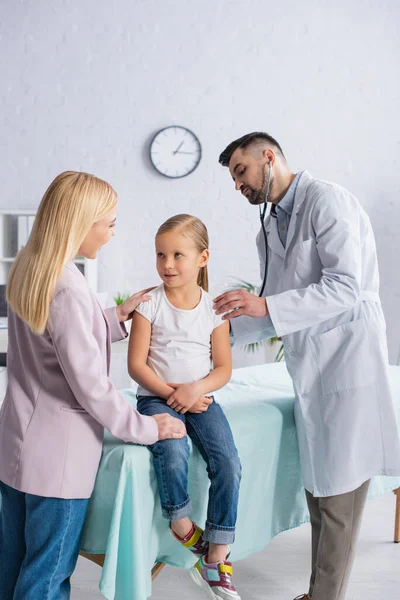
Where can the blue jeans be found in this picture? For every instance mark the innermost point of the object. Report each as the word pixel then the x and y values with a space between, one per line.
pixel 39 545
pixel 210 432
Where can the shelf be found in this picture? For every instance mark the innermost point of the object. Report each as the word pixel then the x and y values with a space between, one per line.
pixel 28 213
pixel 15 228
pixel 8 259
pixel 79 261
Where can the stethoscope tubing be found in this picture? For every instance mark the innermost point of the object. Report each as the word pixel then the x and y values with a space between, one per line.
pixel 262 219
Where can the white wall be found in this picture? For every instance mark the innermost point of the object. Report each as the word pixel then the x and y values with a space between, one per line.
pixel 84 84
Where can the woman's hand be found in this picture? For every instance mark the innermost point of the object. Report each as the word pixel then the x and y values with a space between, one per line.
pixel 184 396
pixel 169 427
pixel 125 310
pixel 201 405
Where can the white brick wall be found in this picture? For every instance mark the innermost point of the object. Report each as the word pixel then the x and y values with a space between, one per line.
pixel 86 83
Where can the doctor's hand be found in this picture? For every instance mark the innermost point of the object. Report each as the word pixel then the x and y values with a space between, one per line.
pixel 184 396
pixel 240 302
pixel 169 427
pixel 125 310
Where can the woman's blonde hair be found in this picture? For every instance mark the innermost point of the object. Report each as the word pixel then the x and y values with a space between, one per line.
pixel 71 205
pixel 194 228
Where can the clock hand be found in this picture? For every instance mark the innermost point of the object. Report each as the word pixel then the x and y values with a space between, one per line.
pixel 177 152
pixel 180 146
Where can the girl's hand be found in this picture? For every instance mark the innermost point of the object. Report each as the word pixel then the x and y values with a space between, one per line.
pixel 201 405
pixel 184 396
pixel 125 310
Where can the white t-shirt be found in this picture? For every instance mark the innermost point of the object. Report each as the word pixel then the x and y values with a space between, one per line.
pixel 180 344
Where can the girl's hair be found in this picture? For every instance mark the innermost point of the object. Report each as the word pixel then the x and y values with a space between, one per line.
pixel 71 205
pixel 194 228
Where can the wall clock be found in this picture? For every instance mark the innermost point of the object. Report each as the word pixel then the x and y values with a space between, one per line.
pixel 175 151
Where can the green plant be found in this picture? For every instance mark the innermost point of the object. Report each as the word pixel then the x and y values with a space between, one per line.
pixel 120 298
pixel 252 289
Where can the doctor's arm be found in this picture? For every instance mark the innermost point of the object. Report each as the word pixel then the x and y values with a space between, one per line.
pixel 336 222
pixel 250 321
pixel 248 330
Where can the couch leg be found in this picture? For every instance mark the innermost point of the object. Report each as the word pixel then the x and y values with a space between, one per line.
pixel 96 558
pixel 158 567
pixel 397 518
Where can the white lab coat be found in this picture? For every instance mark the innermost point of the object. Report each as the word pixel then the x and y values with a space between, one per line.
pixel 322 295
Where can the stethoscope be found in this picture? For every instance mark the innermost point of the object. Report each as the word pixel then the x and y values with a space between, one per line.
pixel 262 219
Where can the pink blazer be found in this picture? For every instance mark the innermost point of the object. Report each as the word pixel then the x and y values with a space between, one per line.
pixel 59 398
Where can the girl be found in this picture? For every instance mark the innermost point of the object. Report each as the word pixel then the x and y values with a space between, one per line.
pixel 179 352
pixel 59 397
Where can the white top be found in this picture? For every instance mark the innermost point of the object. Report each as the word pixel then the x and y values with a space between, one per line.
pixel 180 344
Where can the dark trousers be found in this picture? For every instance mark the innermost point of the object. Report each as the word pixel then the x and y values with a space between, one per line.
pixel 335 526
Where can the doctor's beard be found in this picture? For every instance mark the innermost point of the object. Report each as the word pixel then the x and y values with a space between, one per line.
pixel 258 196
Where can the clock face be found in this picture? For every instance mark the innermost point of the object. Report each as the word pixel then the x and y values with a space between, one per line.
pixel 175 152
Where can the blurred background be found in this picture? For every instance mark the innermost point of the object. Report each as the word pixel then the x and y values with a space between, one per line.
pixel 85 85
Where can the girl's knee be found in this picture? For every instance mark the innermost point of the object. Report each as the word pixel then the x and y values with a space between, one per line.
pixel 230 466
pixel 174 451
pixel 235 467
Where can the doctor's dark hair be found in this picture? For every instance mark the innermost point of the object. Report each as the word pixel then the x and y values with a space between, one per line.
pixel 246 141
pixel 192 227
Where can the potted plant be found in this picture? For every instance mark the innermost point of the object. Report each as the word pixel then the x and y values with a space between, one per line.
pixel 120 298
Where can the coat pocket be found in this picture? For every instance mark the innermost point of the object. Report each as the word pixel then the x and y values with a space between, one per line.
pixel 306 263
pixel 343 357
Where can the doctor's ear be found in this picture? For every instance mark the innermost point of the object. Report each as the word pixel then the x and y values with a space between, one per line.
pixel 270 156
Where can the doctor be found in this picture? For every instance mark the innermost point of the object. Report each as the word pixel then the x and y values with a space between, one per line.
pixel 322 297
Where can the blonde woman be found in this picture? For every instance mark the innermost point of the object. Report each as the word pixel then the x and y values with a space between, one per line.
pixel 179 352
pixel 59 397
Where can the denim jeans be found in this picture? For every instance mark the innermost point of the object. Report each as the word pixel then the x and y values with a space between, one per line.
pixel 210 432
pixel 39 545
